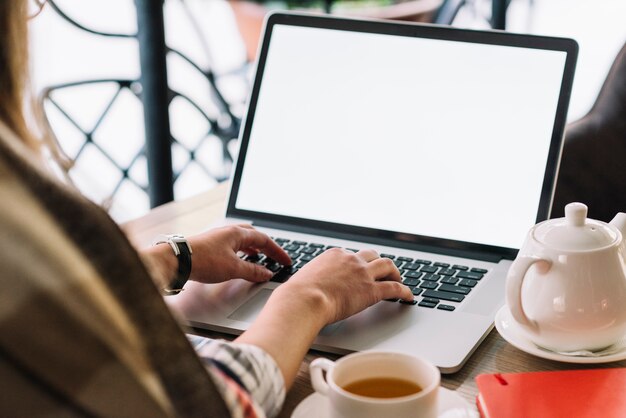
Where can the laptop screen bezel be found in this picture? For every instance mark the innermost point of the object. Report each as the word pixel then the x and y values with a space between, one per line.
pixel 392 238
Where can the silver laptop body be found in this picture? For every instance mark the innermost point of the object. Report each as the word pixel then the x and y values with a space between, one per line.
pixel 438 147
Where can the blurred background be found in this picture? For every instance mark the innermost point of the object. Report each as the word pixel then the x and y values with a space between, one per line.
pixel 86 69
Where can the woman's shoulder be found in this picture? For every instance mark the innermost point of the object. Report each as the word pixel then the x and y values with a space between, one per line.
pixel 58 319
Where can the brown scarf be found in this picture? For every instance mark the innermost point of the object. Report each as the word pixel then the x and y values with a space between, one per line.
pixel 190 388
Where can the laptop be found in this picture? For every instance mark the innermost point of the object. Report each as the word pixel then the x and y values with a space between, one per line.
pixel 437 147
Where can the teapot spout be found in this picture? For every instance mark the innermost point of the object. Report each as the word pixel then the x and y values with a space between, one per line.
pixel 620 222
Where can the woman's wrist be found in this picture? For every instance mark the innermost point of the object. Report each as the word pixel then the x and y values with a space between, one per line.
pixel 311 302
pixel 161 263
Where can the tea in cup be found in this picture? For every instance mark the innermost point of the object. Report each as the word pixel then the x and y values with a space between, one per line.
pixel 375 384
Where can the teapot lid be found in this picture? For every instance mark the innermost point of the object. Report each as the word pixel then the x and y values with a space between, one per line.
pixel 575 232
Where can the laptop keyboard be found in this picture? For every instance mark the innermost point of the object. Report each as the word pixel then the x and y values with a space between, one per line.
pixel 434 284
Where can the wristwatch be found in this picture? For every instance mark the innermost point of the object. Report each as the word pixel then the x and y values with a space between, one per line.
pixel 182 250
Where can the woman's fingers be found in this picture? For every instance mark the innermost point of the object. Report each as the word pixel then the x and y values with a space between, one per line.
pixel 368 255
pixel 384 269
pixel 389 281
pixel 252 272
pixel 392 289
pixel 251 238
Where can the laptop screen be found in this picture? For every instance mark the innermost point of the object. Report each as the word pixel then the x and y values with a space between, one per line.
pixel 421 136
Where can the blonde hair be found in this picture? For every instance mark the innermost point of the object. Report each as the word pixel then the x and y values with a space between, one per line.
pixel 16 96
pixel 14 70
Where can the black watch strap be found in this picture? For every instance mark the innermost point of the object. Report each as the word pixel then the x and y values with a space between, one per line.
pixel 182 250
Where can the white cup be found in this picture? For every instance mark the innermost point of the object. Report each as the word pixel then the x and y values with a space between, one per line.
pixel 376 364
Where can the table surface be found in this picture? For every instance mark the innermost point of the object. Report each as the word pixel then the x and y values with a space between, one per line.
pixel 198 213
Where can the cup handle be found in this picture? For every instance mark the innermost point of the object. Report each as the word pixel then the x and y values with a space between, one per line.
pixel 514 281
pixel 317 379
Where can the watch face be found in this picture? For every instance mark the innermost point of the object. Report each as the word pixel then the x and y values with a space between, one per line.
pixel 179 239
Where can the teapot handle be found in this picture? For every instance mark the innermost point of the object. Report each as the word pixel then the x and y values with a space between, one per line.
pixel 514 281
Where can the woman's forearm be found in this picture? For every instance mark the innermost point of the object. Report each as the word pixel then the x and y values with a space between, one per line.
pixel 287 326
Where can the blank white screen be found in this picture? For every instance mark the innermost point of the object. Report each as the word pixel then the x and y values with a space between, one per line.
pixel 437 138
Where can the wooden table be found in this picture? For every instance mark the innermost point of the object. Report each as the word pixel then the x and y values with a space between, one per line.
pixel 494 354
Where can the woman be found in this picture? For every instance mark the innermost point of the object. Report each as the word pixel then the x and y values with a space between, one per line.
pixel 84 330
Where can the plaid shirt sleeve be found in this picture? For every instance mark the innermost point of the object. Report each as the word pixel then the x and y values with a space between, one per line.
pixel 248 378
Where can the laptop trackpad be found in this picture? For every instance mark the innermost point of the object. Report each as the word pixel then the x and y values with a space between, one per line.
pixel 251 308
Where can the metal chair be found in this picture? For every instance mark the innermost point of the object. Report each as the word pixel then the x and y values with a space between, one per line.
pixel 159 187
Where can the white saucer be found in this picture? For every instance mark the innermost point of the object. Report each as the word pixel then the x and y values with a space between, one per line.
pixel 451 405
pixel 512 332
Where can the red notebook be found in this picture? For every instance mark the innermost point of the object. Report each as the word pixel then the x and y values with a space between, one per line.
pixel 576 393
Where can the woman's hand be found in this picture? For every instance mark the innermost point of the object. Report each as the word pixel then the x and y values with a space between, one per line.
pixel 215 256
pixel 333 286
pixel 348 282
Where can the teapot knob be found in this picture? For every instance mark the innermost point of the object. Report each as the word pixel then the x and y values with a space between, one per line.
pixel 576 213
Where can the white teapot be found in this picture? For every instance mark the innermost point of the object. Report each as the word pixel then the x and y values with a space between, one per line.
pixel 567 286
